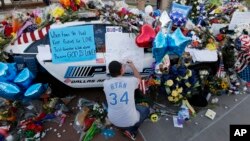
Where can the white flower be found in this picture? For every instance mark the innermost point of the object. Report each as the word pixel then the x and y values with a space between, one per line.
pixel 96 107
pixel 101 110
pixel 183 2
pixel 200 1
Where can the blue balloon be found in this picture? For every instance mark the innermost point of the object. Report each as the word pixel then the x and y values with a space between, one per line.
pixel 177 42
pixel 24 78
pixel 157 13
pixel 35 90
pixel 8 71
pixel 181 8
pixel 178 18
pixel 12 71
pixel 159 46
pixel 9 91
pixel 3 71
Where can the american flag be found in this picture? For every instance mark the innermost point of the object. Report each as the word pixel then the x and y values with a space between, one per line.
pixel 29 37
pixel 221 72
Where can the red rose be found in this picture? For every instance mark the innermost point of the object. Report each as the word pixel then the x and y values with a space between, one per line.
pixel 8 30
pixel 219 37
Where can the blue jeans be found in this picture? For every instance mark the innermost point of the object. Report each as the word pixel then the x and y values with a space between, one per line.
pixel 144 112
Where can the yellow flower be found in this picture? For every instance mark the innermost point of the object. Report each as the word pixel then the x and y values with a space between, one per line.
pixel 77 2
pixel 180 96
pixel 176 99
pixel 180 90
pixel 57 12
pixel 189 73
pixel 170 98
pixel 224 85
pixel 211 46
pixel 170 83
pixel 185 77
pixel 217 10
pixel 188 84
pixel 13 35
pixel 38 20
pixel 174 93
pixel 178 79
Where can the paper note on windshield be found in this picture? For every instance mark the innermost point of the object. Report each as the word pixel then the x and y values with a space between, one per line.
pixel 122 47
pixel 239 18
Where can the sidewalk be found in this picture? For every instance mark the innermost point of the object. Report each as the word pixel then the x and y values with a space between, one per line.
pixel 231 109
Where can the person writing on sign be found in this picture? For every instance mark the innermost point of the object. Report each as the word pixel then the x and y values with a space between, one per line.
pixel 120 92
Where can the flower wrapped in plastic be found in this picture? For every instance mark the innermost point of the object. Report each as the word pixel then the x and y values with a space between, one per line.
pixel 218 86
pixel 98 112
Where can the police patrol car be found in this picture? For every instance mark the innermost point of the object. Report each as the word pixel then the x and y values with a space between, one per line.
pixel 34 50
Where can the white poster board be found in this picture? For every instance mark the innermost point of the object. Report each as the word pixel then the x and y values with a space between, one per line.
pixel 239 18
pixel 122 47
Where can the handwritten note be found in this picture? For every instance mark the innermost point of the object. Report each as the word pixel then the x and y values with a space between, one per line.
pixel 72 44
pixel 122 47
pixel 239 18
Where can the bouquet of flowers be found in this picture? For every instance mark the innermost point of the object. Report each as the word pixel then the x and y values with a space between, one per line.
pixel 179 83
pixel 98 112
pixel 218 85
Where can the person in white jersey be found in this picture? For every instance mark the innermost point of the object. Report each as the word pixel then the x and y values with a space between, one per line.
pixel 120 93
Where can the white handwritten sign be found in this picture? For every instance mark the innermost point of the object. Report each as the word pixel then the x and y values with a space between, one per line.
pixel 122 47
pixel 72 44
pixel 239 18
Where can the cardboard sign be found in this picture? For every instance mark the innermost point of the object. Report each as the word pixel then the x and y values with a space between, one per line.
pixel 239 18
pixel 72 44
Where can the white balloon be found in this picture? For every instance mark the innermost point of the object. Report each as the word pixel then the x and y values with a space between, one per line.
pixel 164 19
pixel 148 9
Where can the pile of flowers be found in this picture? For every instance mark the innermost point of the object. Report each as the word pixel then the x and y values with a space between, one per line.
pixel 218 86
pixel 179 83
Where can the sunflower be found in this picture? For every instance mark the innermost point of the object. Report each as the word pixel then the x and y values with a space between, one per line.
pixel 224 85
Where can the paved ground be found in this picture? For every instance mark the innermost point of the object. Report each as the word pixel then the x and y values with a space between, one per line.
pixel 231 109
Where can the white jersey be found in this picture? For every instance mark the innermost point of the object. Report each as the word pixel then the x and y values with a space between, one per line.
pixel 119 93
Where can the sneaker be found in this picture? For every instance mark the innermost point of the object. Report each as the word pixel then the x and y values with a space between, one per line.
pixel 129 135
